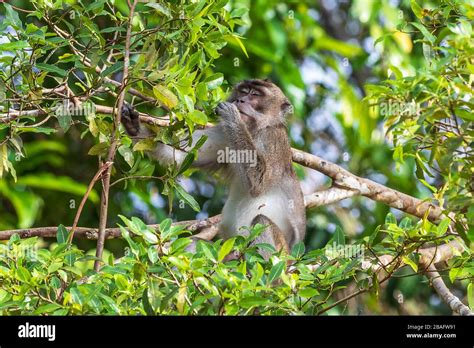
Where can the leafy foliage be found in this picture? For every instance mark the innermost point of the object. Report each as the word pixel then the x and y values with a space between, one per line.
pixel 429 114
pixel 157 275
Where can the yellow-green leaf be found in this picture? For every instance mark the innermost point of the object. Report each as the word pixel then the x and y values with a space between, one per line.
pixel 165 96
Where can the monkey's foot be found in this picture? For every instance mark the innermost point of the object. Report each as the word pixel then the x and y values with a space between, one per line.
pixel 130 119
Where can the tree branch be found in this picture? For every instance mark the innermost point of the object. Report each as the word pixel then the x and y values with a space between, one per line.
pixel 110 233
pixel 104 202
pixel 313 200
pixel 368 188
pixel 329 196
pixel 84 199
pixel 446 295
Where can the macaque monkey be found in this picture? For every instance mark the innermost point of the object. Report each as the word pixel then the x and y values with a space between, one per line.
pixel 263 187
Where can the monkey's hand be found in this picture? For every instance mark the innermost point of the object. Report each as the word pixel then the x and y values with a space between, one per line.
pixel 229 112
pixel 130 119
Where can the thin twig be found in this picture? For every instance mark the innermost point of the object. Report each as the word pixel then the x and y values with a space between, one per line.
pixel 113 147
pixel 84 199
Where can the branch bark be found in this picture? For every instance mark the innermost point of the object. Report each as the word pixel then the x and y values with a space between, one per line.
pixel 319 198
pixel 104 202
pixel 84 199
pixel 110 233
pixel 446 295
pixel 368 188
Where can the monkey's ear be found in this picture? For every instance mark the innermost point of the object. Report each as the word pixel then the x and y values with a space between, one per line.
pixel 286 108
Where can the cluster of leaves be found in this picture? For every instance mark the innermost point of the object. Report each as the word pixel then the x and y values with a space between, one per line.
pixel 157 275
pixel 430 114
pixel 78 49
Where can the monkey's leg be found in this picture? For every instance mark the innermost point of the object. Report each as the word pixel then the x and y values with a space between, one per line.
pixel 239 139
pixel 272 235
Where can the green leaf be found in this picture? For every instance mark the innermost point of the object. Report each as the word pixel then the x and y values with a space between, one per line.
pixel 145 145
pixel 208 250
pixel 276 271
pixel 51 68
pixel 416 9
pixel 253 301
pixel 465 114
pixel 470 295
pixel 198 117
pixel 165 96
pixel 127 155
pixel 26 203
pixel 160 9
pixel 453 273
pixel 235 38
pixel 165 225
pixel 396 71
pixel 4 296
pixel 14 46
pixel 47 308
pixel 428 36
pixel 98 149
pixel 225 249
pixel 390 219
pixel 77 296
pixel 410 262
pixel 406 223
pixel 189 159
pixel 308 292
pixel 443 226
pixel 179 244
pixel 12 16
pixel 339 237
pixel 187 198
pixel 214 81
pixel 23 274
pixel 65 121
pixel 152 254
pixel 146 303
pixel 62 234
pixel 298 250
pixel 112 69
pixel 44 130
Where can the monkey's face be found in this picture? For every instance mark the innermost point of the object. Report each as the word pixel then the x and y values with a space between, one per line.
pixel 257 99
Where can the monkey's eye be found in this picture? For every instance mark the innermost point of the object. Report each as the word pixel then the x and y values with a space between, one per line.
pixel 244 90
pixel 253 92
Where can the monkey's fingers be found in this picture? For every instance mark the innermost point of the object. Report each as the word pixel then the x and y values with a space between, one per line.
pixel 228 111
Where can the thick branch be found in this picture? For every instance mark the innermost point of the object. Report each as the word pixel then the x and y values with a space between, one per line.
pixel 343 178
pixel 110 233
pixel 316 199
pixel 329 196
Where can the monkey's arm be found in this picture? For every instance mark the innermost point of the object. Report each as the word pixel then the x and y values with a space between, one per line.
pixel 239 138
pixel 166 154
